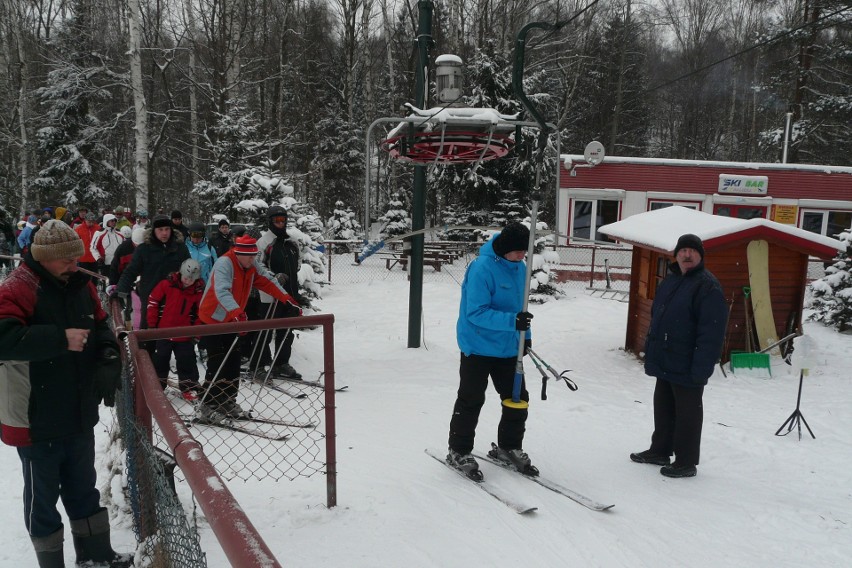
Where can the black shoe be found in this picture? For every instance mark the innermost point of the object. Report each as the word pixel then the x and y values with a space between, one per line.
pixel 650 457
pixel 678 470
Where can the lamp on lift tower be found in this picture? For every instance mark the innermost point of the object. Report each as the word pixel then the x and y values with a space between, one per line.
pixel 449 78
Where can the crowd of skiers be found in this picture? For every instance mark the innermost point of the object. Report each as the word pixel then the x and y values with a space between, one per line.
pixel 162 267
pixel 175 276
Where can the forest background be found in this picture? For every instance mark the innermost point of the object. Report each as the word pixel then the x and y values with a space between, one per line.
pixel 179 105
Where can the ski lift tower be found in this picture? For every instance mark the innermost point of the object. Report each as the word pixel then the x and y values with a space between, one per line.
pixel 447 134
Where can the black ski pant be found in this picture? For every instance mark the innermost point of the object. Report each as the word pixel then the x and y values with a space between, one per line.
pixel 678 418
pixel 227 383
pixel 474 371
pixel 282 336
pixel 187 367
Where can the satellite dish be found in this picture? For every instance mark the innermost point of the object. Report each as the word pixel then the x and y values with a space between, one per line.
pixel 594 153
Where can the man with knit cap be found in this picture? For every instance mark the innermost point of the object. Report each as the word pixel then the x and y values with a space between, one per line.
pixel 60 361
pixel 234 275
pixel 684 342
pixel 159 255
pixel 490 319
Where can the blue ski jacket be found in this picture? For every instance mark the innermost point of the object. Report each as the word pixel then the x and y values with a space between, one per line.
pixel 492 295
pixel 687 330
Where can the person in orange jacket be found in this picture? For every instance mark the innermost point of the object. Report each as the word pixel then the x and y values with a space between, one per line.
pixel 234 275
pixel 87 231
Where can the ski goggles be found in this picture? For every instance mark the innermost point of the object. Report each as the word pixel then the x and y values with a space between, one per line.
pixel 279 219
pixel 196 235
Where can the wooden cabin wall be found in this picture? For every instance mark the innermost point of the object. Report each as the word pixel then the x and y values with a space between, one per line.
pixel 639 305
pixel 787 279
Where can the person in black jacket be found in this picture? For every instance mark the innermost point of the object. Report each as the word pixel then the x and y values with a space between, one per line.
pixel 60 360
pixel 222 240
pixel 161 254
pixel 281 255
pixel 684 343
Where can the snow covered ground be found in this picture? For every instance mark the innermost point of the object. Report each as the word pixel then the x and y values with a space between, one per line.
pixel 758 500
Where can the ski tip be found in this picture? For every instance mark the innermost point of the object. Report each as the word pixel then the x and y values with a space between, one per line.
pixel 528 511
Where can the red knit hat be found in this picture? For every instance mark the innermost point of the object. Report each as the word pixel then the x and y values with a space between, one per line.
pixel 245 245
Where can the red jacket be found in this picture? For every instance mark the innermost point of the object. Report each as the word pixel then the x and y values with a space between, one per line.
pixel 172 305
pixel 86 234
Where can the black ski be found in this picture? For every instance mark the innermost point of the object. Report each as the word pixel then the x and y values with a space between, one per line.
pixel 499 494
pixel 261 420
pixel 276 422
pixel 552 485
pixel 315 384
pixel 243 429
pixel 272 386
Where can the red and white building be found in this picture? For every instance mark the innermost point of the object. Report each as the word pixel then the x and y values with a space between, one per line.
pixel 814 198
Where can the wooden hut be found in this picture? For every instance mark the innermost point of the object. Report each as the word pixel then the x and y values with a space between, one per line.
pixel 654 236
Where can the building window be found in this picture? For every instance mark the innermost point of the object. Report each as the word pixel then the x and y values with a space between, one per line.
pixel 740 211
pixel 591 214
pixel 828 223
pixel 655 204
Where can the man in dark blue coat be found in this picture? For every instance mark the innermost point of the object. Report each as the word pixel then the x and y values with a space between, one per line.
pixel 684 343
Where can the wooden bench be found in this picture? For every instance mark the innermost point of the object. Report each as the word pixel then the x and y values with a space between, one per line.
pixel 402 262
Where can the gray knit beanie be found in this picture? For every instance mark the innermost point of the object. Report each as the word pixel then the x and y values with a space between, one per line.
pixel 56 240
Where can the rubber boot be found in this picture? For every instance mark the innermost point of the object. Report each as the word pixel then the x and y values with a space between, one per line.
pixel 92 543
pixel 48 550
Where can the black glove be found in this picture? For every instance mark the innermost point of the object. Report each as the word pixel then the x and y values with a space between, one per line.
pixel 522 321
pixel 527 346
pixel 101 263
pixel 107 375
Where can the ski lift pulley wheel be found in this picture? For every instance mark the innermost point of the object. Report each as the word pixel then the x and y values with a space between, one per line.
pixel 453 148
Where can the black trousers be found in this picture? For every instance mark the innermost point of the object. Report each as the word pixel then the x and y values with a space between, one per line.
pixel 187 369
pixel 227 384
pixel 263 338
pixel 678 418
pixel 473 381
pixel 59 469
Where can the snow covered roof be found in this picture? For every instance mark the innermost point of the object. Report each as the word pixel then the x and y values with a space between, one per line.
pixel 569 159
pixel 661 229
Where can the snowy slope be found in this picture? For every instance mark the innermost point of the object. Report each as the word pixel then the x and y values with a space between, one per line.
pixel 758 500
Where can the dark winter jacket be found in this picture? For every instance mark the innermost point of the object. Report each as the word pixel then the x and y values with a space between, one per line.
pixel 172 305
pixel 687 330
pixel 122 257
pixel 281 256
pixel 46 391
pixel 220 243
pixel 492 295
pixel 152 262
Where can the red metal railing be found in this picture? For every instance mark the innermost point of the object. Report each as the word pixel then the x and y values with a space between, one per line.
pixel 240 541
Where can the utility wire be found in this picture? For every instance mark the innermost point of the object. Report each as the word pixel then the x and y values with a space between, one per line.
pixel 746 50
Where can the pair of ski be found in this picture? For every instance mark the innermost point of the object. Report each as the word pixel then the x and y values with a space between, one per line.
pixel 509 499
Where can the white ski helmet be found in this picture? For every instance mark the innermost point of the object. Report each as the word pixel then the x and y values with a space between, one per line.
pixel 190 269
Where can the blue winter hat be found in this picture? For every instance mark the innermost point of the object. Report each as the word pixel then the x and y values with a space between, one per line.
pixel 32 219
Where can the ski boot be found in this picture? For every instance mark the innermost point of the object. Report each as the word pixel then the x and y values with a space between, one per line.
pixel 466 464
pixel 517 458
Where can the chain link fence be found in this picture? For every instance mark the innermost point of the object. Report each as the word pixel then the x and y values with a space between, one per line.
pixel 165 534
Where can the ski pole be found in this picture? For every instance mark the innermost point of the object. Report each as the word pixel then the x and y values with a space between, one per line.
pixel 261 338
pixel 515 401
pixel 563 376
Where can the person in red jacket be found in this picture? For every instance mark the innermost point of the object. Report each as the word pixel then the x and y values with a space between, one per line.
pixel 234 275
pixel 174 303
pixel 86 232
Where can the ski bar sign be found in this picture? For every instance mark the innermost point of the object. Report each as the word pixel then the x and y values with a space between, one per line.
pixel 750 185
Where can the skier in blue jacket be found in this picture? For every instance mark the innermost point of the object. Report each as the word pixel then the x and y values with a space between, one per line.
pixel 684 342
pixel 490 319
